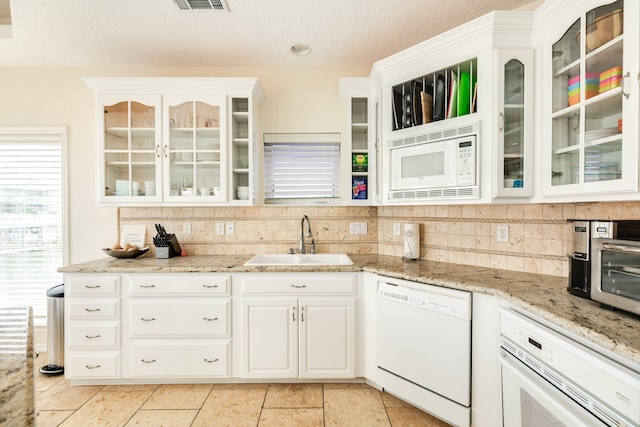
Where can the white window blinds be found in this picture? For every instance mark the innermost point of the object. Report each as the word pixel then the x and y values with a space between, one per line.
pixel 31 216
pixel 301 167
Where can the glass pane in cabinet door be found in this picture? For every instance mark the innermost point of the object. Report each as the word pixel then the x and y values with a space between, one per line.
pixel 207 182
pixel 566 149
pixel 603 24
pixel 143 174
pixel 566 69
pixel 182 180
pixel 513 129
pixel 142 116
pixel 116 172
pixel 116 132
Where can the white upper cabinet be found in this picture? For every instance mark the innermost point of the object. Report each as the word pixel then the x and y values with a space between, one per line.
pixel 470 89
pixel 589 112
pixel 180 141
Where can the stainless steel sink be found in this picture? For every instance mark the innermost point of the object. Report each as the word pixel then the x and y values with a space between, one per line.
pixel 299 259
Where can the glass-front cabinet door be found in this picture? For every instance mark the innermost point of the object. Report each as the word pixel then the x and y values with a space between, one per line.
pixel 590 102
pixel 130 155
pixel 194 148
pixel 515 123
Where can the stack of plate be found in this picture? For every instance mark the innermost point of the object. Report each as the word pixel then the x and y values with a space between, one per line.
pixel 592 135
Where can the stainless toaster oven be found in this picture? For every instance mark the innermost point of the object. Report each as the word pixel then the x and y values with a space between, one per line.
pixel 615 273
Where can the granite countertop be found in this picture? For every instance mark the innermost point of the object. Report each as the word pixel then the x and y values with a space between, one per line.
pixel 540 295
pixel 17 393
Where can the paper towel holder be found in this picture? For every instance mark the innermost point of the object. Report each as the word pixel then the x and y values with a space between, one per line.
pixel 411 238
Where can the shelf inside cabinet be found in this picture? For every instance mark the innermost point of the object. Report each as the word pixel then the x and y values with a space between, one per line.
pixel 241 116
pixel 241 142
pixel 359 128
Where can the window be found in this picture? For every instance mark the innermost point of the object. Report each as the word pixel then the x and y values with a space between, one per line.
pixel 31 215
pixel 302 167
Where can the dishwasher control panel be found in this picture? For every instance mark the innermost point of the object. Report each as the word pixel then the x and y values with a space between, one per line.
pixel 445 301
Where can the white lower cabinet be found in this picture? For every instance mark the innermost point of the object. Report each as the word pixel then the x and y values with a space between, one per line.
pixel 176 326
pixel 92 326
pixel 298 325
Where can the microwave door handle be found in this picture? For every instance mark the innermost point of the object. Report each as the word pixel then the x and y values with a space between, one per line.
pixel 622 248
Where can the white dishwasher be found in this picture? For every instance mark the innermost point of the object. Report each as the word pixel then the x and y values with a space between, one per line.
pixel 424 347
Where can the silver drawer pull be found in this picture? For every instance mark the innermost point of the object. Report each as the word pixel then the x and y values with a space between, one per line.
pixel 211 361
pixel 93 366
pixel 148 361
pixel 147 319
pixel 147 286
pixel 92 310
pixel 91 337
pixel 298 286
pixel 209 286
pixel 92 286
pixel 209 319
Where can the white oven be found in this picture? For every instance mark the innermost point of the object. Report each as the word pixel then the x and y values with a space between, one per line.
pixel 549 380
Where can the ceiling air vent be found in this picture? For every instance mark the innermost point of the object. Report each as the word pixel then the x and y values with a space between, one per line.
pixel 202 5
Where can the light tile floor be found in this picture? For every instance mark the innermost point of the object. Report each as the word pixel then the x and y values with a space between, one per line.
pixel 199 405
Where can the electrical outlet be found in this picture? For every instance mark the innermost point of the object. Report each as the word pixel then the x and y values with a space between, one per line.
pixel 229 228
pixel 220 228
pixel 186 228
pixel 396 228
pixel 502 233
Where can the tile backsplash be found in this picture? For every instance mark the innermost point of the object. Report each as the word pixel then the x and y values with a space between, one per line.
pixel 539 234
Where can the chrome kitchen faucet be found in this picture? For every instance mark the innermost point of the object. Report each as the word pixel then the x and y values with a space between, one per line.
pixel 312 248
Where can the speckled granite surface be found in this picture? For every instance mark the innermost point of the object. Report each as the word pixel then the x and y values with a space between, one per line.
pixel 543 296
pixel 16 367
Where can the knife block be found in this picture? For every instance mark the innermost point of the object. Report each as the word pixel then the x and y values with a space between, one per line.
pixel 173 249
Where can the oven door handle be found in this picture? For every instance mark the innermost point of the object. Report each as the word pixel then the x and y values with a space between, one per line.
pixel 622 248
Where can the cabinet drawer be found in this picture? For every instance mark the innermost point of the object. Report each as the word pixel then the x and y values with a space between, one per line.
pixel 179 359
pixel 299 284
pixel 92 365
pixel 179 318
pixel 183 284
pixel 92 284
pixel 99 308
pixel 88 335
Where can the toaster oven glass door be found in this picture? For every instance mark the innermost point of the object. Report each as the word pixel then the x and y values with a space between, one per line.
pixel 620 274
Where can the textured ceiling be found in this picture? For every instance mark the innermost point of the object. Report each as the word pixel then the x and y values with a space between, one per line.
pixel 155 33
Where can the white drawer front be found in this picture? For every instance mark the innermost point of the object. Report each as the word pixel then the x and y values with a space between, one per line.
pixel 99 308
pixel 179 317
pixel 299 284
pixel 88 335
pixel 92 284
pixel 92 365
pixel 183 284
pixel 179 359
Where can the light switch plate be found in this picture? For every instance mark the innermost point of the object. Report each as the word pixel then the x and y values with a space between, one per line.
pixel 502 233
pixel 220 228
pixel 396 228
pixel 186 228
pixel 357 228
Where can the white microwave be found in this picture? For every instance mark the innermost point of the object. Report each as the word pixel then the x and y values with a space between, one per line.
pixel 434 170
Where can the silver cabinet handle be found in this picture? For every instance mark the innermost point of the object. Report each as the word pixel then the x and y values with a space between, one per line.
pixel 298 286
pixel 302 314
pixel 147 319
pixel 93 366
pixel 211 361
pixel 147 286
pixel 92 310
pixel 501 121
pixel 92 337
pixel 158 151
pixel 210 319
pixel 293 311
pixel 92 286
pixel 626 95
pixel 148 361
pixel 209 286
pixel 164 151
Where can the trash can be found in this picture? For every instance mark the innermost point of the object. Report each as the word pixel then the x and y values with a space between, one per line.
pixel 55 331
